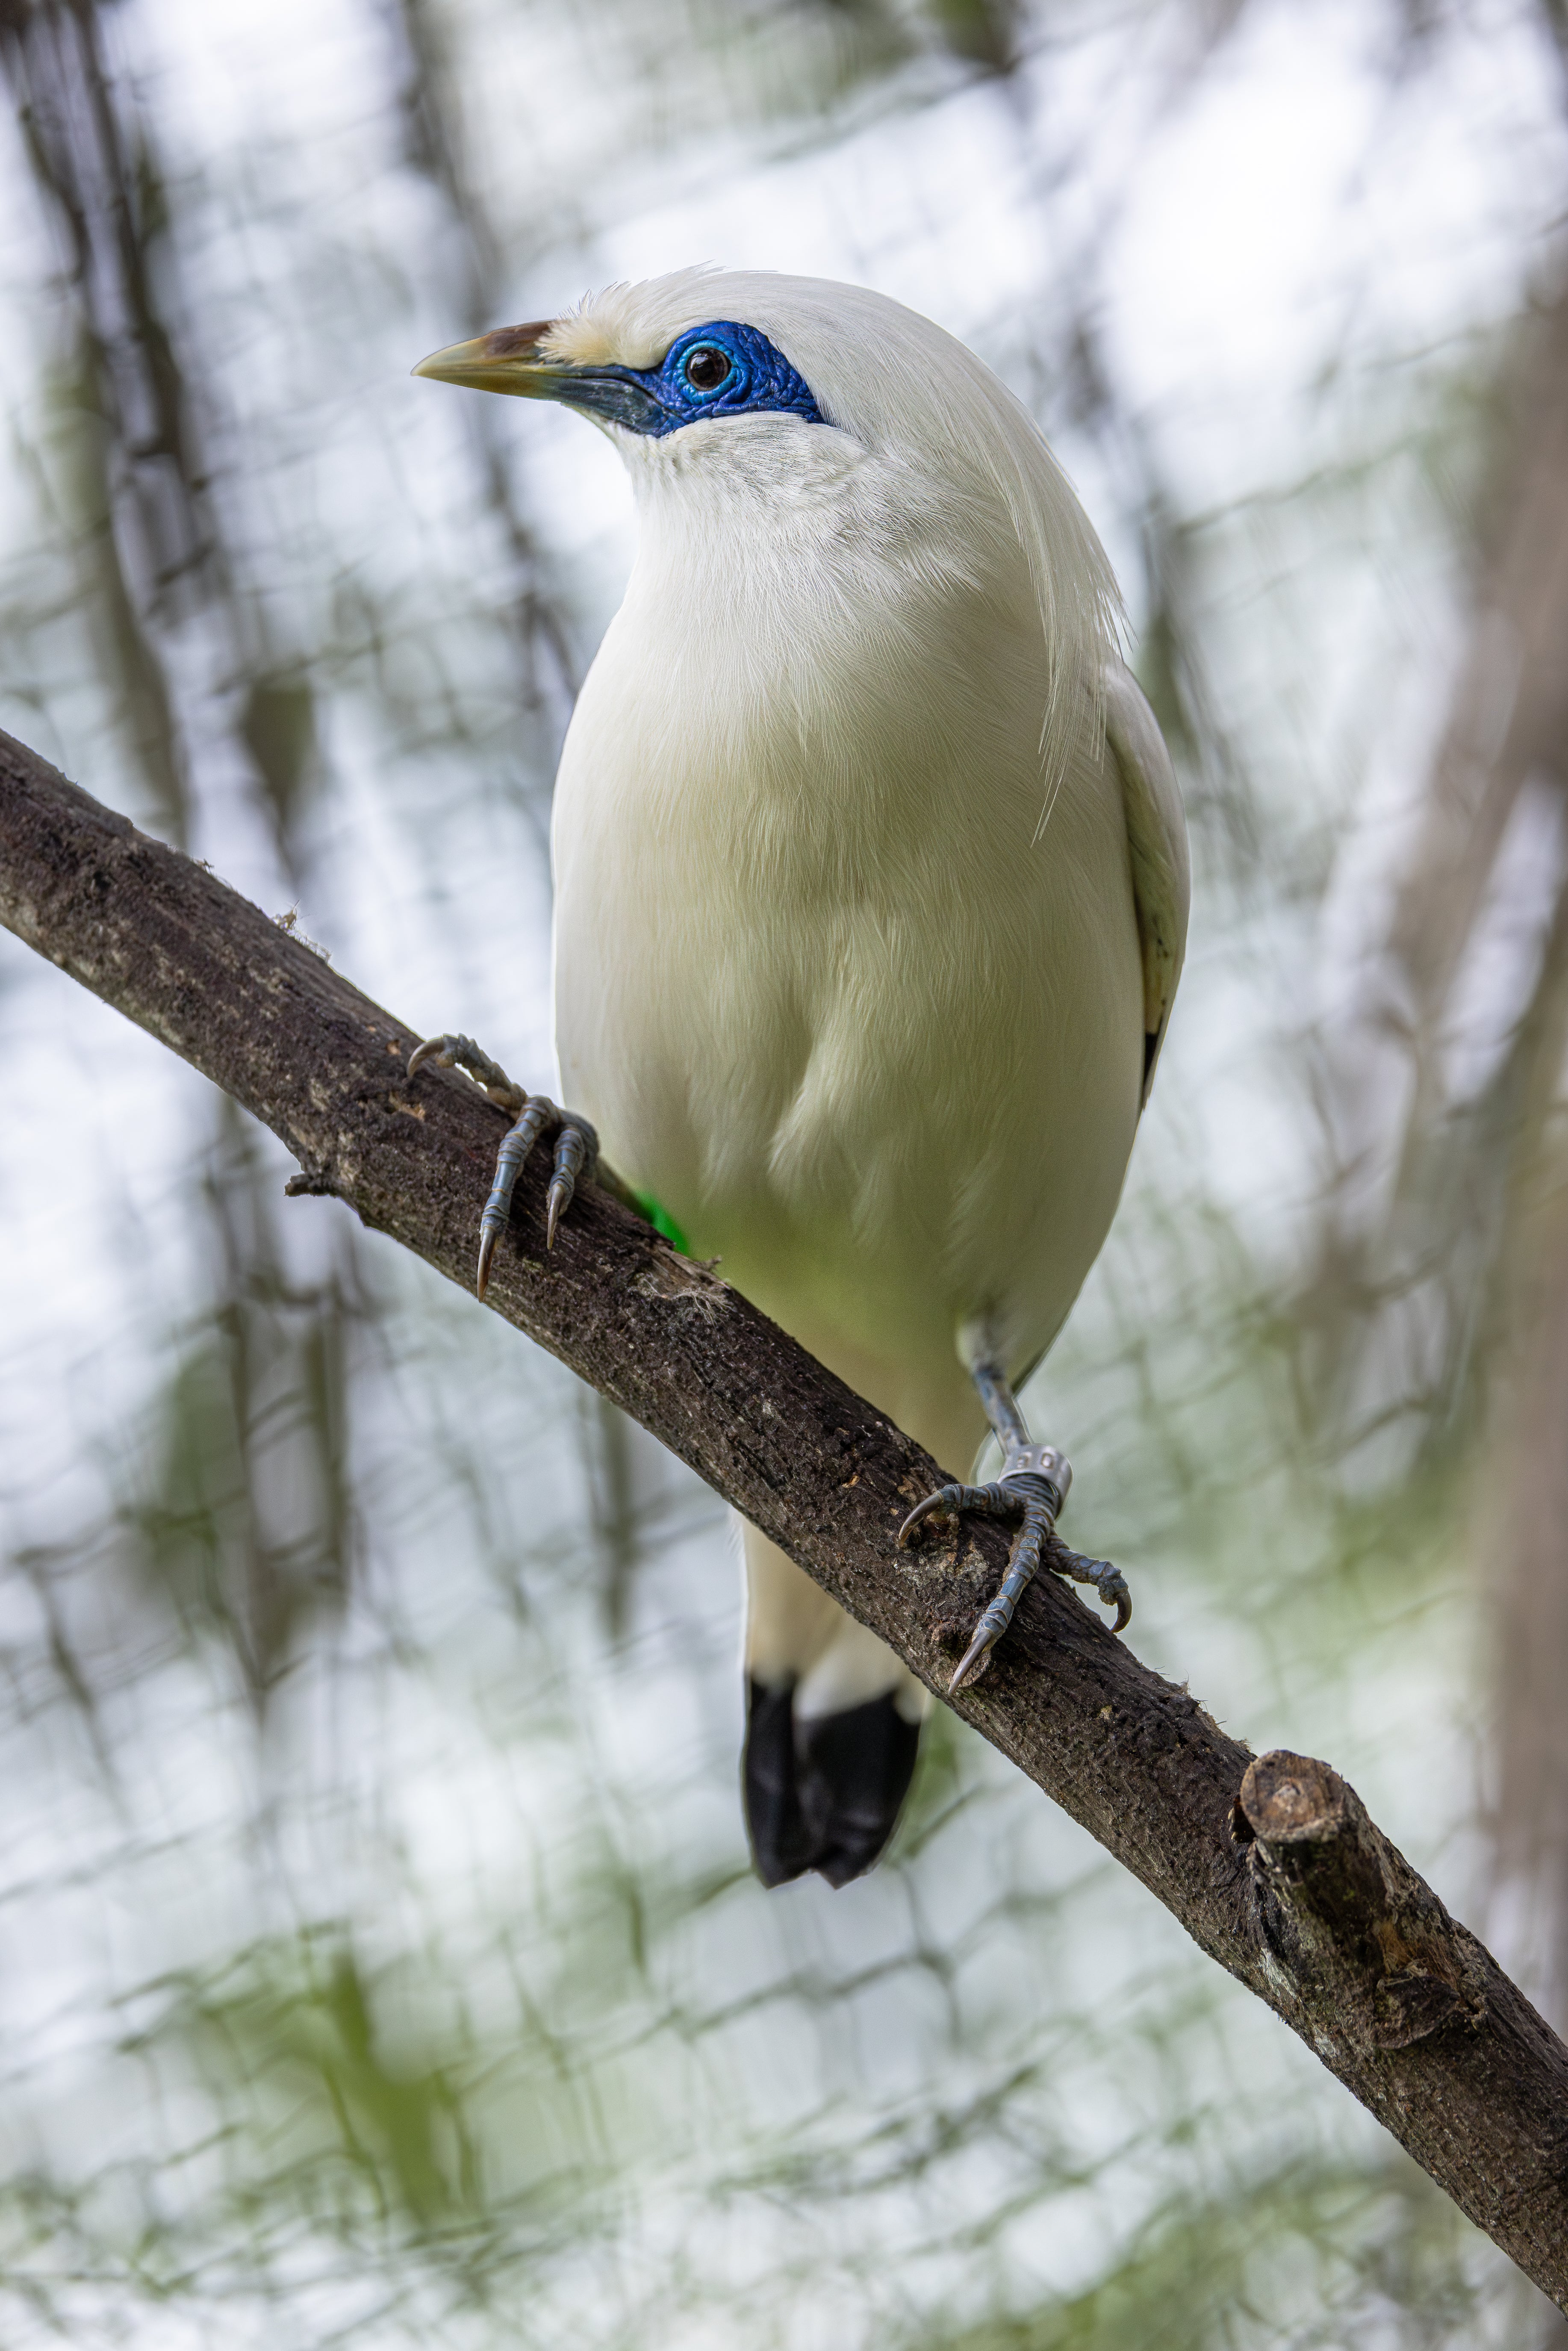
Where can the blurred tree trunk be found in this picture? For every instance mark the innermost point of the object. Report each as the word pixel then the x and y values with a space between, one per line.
pixel 480 277
pixel 1508 734
pixel 139 481
pixel 1523 1543
pixel 245 1524
pixel 1508 720
pixel 1522 1522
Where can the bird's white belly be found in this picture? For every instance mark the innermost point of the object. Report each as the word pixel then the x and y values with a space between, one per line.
pixel 882 1059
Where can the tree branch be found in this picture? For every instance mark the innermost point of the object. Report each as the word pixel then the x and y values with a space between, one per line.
pixel 1272 1865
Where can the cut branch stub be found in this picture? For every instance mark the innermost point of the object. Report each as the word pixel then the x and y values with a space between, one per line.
pixel 1342 1913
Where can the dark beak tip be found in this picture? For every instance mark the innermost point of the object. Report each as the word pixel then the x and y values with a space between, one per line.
pixel 515 342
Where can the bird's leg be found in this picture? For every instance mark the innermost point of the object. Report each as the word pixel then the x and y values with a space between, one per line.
pixel 576 1148
pixel 1030 1494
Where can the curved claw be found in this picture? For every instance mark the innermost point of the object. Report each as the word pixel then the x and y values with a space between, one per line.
pixel 1109 1582
pixel 454 1052
pixel 941 1503
pixel 974 1659
pixel 487 1251
pixel 1112 1587
pixel 577 1144
pixel 537 1112
pixel 571 1151
pixel 1115 1588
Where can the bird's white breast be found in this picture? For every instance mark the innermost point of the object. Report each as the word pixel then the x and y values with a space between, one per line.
pixel 828 991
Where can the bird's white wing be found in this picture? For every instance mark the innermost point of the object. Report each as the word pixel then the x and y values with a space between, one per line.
pixel 1157 837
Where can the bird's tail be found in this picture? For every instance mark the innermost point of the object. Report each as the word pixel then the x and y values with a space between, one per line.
pixel 833 1727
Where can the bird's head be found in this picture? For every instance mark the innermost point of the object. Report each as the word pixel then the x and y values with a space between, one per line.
pixel 716 368
pixel 730 381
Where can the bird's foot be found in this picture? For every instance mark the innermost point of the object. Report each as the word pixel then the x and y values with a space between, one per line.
pixel 576 1147
pixel 1030 1494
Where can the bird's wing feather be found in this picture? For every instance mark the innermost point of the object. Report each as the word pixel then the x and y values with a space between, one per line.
pixel 1157 838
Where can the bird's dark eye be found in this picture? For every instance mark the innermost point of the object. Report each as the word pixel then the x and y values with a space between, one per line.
pixel 705 368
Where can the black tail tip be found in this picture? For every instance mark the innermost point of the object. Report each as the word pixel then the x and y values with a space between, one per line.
pixel 825 1793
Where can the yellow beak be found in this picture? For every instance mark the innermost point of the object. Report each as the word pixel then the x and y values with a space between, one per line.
pixel 507 361
pixel 510 360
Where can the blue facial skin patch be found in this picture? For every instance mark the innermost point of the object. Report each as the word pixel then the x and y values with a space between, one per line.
pixel 721 369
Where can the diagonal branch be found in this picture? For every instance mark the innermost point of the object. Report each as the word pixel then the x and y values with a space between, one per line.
pixel 1272 1865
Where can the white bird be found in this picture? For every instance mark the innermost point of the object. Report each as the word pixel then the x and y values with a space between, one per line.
pixel 872 888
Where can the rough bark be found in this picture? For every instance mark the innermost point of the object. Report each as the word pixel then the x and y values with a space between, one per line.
pixel 1271 1866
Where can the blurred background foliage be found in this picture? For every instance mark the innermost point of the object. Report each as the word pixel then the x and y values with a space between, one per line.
pixel 379 1962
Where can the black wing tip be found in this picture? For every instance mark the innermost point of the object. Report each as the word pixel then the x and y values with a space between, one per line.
pixel 826 1793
